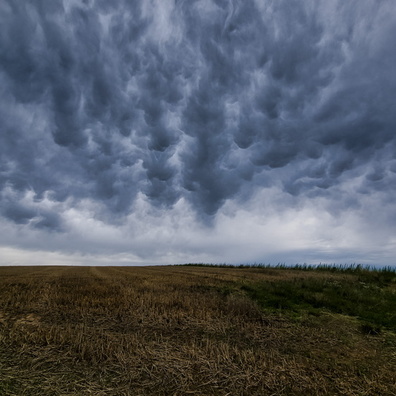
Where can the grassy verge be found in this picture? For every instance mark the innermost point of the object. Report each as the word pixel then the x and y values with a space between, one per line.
pixel 364 292
pixel 371 300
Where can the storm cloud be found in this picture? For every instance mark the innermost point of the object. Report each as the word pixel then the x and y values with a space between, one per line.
pixel 166 122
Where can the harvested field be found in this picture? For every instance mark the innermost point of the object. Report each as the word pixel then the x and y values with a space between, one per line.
pixel 186 330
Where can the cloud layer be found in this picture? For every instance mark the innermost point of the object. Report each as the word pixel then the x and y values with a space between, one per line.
pixel 150 128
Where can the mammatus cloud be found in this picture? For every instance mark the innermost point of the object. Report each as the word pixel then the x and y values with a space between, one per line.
pixel 133 124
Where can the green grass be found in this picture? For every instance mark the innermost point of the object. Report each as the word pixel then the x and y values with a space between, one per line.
pixel 368 295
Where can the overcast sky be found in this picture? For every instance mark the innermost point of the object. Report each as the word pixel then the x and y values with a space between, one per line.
pixel 173 131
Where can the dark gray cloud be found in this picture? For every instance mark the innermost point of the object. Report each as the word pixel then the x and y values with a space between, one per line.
pixel 103 103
